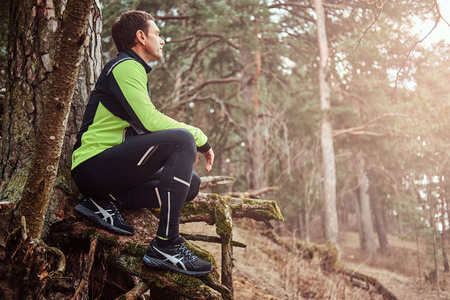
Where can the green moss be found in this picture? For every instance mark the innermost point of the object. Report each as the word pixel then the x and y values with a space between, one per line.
pixel 189 282
pixel 135 248
pixel 190 209
pixel 106 239
pixel 224 222
pixel 201 253
pixel 273 213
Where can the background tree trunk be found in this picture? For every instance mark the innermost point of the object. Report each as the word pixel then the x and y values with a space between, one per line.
pixel 366 232
pixel 254 147
pixel 331 229
pixel 444 227
pixel 375 200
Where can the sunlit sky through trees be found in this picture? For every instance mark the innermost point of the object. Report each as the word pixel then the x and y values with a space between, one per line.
pixel 442 31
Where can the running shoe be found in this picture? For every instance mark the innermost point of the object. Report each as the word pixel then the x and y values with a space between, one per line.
pixel 176 257
pixel 105 214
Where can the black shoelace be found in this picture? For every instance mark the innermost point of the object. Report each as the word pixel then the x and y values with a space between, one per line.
pixel 116 212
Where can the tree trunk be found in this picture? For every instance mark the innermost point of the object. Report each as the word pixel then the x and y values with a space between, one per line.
pixel 254 151
pixel 366 232
pixel 435 273
pixel 33 33
pixel 59 86
pixel 443 221
pixel 418 253
pixel 331 229
pixel 25 96
pixel 89 70
pixel 379 220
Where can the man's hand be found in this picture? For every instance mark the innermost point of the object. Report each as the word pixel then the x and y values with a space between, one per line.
pixel 209 155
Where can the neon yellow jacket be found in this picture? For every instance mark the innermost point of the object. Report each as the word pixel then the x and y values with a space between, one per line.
pixel 119 103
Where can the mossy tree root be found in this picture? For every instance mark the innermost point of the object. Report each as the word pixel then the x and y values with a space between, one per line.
pixel 126 255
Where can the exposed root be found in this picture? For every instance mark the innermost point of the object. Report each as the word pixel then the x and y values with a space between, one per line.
pixel 136 292
pixel 87 268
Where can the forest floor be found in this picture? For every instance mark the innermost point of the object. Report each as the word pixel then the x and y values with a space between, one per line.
pixel 266 271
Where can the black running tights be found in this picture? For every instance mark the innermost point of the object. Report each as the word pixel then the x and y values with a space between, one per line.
pixel 149 170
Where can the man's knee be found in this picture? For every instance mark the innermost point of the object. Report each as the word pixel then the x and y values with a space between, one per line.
pixel 185 138
pixel 194 187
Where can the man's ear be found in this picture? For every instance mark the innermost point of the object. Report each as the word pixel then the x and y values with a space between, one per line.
pixel 140 37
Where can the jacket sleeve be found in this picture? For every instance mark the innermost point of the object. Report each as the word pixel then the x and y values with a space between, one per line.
pixel 131 91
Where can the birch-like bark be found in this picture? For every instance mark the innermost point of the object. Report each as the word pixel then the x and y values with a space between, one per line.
pixel 366 232
pixel 331 229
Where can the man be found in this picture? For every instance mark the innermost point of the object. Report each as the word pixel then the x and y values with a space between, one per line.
pixel 128 154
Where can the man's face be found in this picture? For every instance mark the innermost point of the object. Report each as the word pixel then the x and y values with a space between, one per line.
pixel 153 43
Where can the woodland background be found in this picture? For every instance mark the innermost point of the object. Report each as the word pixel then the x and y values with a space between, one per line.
pixel 345 130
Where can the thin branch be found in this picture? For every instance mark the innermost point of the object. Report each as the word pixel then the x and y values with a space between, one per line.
pixel 439 12
pixel 210 239
pixel 418 42
pixel 358 130
pixel 163 18
pixel 213 81
pixel 283 5
pixel 385 173
pixel 377 16
pixel 194 60
pixel 87 268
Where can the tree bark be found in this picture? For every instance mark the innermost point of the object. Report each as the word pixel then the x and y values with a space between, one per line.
pixel 366 232
pixel 443 222
pixel 331 229
pixel 435 273
pixel 60 85
pixel 31 37
pixel 379 220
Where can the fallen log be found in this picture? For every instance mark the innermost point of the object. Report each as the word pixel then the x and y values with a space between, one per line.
pixel 204 207
pixel 252 194
pixel 210 181
pixel 370 282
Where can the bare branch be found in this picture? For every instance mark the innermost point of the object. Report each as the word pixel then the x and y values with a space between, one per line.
pixel 377 16
pixel 439 17
pixel 213 81
pixel 197 55
pixel 285 4
pixel 210 239
pixel 358 130
pixel 439 12
pixel 163 18
pixel 411 50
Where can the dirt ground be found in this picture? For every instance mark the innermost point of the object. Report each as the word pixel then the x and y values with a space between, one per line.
pixel 264 270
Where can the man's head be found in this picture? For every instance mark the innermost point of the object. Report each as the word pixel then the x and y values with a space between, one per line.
pixel 124 29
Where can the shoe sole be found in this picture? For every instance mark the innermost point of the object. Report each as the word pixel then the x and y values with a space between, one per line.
pixel 158 263
pixel 89 214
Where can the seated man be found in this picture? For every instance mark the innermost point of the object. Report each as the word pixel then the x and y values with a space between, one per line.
pixel 128 154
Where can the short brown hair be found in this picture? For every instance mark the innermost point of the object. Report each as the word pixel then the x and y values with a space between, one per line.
pixel 124 29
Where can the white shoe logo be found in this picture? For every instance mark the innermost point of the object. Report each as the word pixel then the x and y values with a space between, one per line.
pixel 105 214
pixel 173 259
